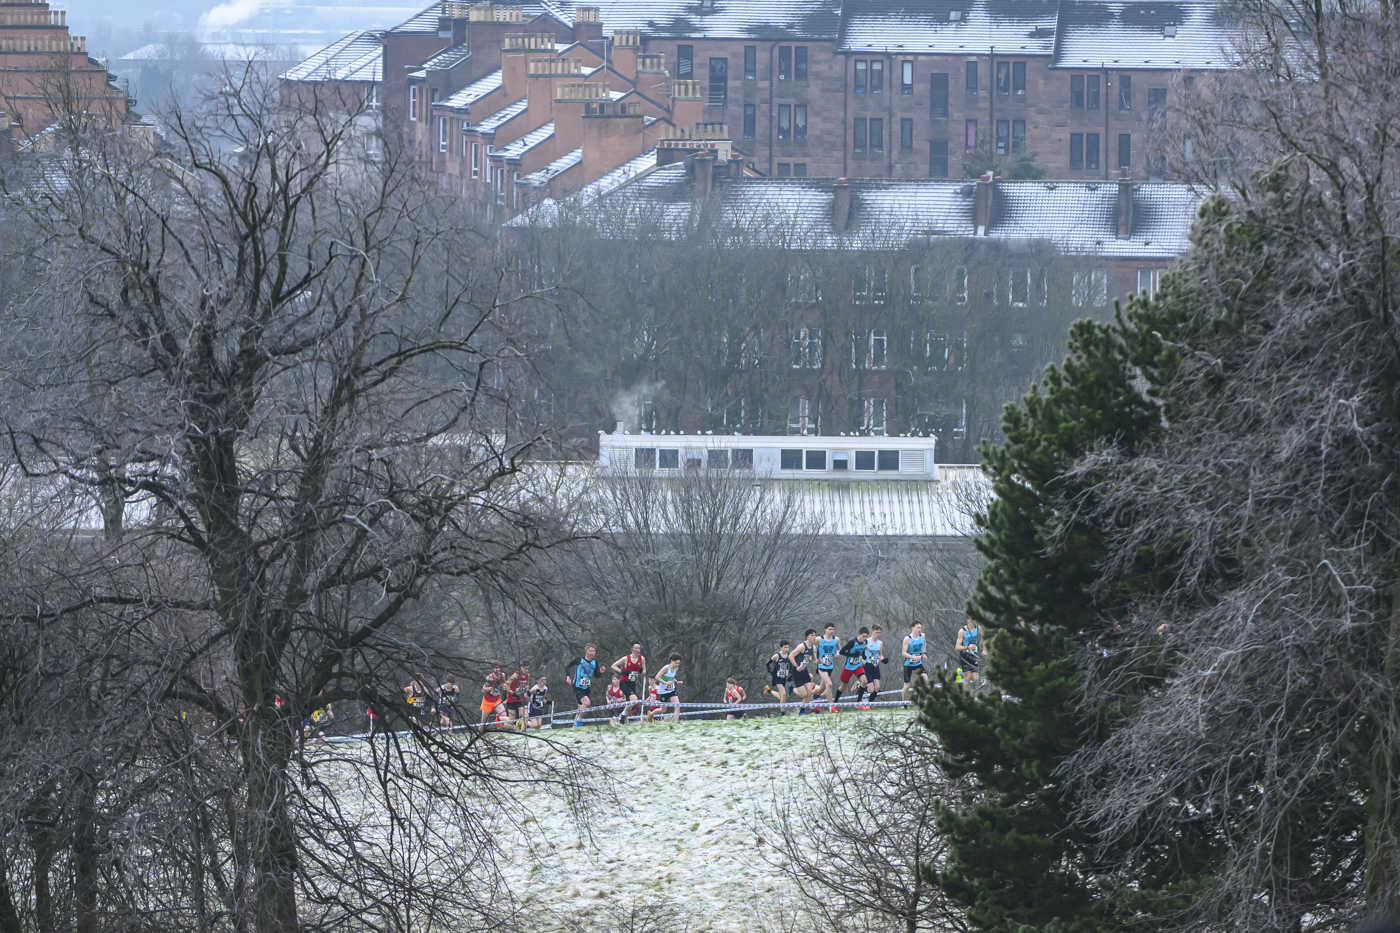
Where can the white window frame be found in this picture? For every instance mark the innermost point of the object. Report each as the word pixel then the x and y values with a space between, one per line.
pixel 957 288
pixel 413 103
pixel 1150 286
pixel 806 348
pixel 1090 288
pixel 476 160
pixel 515 191
pixel 873 421
pixel 799 423
pixel 1020 277
pixel 442 134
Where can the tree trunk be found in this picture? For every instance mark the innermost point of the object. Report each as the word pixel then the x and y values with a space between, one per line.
pixel 271 835
pixel 85 856
pixel 9 915
pixel 39 826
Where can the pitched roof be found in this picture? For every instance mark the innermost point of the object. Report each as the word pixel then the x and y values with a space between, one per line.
pixel 724 19
pixel 452 55
pixel 1025 27
pixel 500 117
pixel 426 22
pixel 1151 34
pixel 473 92
pixel 356 57
pixel 518 147
pixel 887 213
pixel 558 167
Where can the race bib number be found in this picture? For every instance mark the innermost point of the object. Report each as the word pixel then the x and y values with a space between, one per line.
pixel 584 683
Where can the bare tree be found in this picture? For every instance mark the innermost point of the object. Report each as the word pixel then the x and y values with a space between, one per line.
pixel 266 359
pixel 860 855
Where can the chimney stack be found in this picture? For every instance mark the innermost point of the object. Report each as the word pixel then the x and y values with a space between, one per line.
pixel 984 203
pixel 588 27
pixel 841 205
pixel 1125 203
pixel 704 174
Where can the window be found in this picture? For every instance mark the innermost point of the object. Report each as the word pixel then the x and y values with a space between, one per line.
pixel 1091 92
pixel 515 191
pixel 719 81
pixel 784 122
pixel 858 135
pixel 862 75
pixel 799 122
pixel 802 419
pixel 799 63
pixel 1125 92
pixel 938 96
pixel 877 134
pixel 1003 137
pixel 938 159
pixel 1090 288
pixel 1020 287
pixel 750 62
pixel 476 160
pixel 870 285
pixel 668 458
pixel 645 458
pixel 1156 105
pixel 802 286
pixel 906 135
pixel 972 77
pixel 873 425
pixel 906 77
pixel 1125 150
pixel 1004 79
pixel 865 460
pixel 1091 150
pixel 1076 92
pixel 958 287
pixel 1076 151
pixel 413 102
pixel 971 135
pixel 784 63
pixel 784 169
pixel 815 460
pixel 1018 79
pixel 442 134
pixel 685 61
pixel 877 76
pixel 944 352
pixel 886 460
pixel 806 348
pixel 799 169
pixel 716 459
pixel 741 459
pixel 750 120
pixel 1147 281
pixel 790 458
pixel 840 460
pixel 875 359
pixel 1018 137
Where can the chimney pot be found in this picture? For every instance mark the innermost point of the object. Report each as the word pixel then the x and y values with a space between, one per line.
pixel 704 174
pixel 1125 204
pixel 983 205
pixel 841 205
pixel 621 426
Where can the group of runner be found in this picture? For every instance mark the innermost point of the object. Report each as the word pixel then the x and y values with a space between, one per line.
pixel 807 673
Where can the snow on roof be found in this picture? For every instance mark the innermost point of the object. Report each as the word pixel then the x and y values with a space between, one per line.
pixel 557 167
pixel 724 19
pixel 452 55
pixel 473 92
pixel 951 27
pixel 610 181
pixel 356 57
pixel 518 147
pixel 504 115
pixel 426 22
pixel 886 213
pixel 1153 34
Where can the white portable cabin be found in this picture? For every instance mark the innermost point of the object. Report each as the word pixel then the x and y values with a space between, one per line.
pixel 780 456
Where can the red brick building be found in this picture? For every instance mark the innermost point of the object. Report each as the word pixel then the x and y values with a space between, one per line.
pixel 45 71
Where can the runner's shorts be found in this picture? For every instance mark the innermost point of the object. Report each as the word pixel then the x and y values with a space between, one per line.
pixel 912 671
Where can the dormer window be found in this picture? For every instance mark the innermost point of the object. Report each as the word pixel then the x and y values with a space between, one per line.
pixel 955 16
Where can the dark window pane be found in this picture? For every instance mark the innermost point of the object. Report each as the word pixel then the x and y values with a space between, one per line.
pixel 1125 150
pixel 717 459
pixel 799 122
pixel 840 460
pixel 816 460
pixel 750 62
pixel 1003 137
pixel 741 460
pixel 799 63
pixel 1018 137
pixel 971 128
pixel 668 458
pixel 1076 150
pixel 1004 78
pixel 1091 150
pixel 645 458
pixel 889 460
pixel 938 95
pixel 784 63
pixel 784 169
pixel 865 459
pixel 799 170
pixel 750 120
pixel 685 58
pixel 1018 78
pixel 1125 92
pixel 877 76
pixel 862 68
pixel 1156 105
pixel 1076 92
pixel 972 77
pixel 719 80
pixel 1091 92
pixel 784 122
pixel 906 77
pixel 938 159
pixel 790 460
pixel 906 134
pixel 877 135
pixel 858 135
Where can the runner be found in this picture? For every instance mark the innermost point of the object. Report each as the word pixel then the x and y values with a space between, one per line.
pixel 517 693
pixel 733 696
pixel 581 674
pixel 417 695
pixel 539 696
pixel 666 684
pixel 913 654
pixel 853 665
pixel 448 695
pixel 826 663
pixel 653 703
pixel 874 647
pixel 780 674
pixel 802 685
pixel 633 668
pixel 317 722
pixel 971 651
pixel 616 700
pixel 492 693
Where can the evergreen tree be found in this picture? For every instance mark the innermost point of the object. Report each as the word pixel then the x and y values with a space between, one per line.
pixel 1018 860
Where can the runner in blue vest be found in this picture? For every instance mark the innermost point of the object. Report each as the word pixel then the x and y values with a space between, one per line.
pixel 852 664
pixel 874 648
pixel 581 674
pixel 913 654
pixel 826 663
pixel 971 651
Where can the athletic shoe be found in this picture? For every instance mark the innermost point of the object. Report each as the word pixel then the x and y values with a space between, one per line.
pixel 863 706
